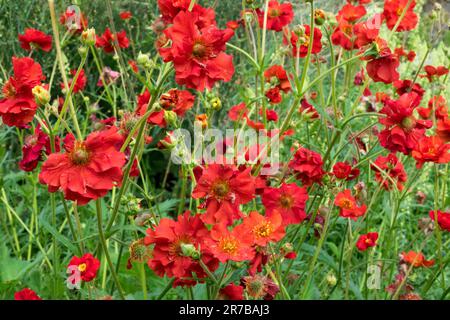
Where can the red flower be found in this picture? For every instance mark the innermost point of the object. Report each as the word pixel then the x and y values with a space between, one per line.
pixel 307 165
pixel 263 229
pixel 278 15
pixel 405 86
pixel 178 101
pixel 88 169
pixel 351 13
pixel 125 15
pixel 170 8
pixel 87 265
pixel 366 241
pixel 437 103
pixel 224 189
pixel 18 106
pixel 432 73
pixel 277 77
pixel 231 292
pixel 308 109
pixel 289 200
pixel 391 167
pixel 393 9
pixel 81 81
pixel 383 69
pixel 443 129
pixel 343 170
pixel 26 294
pixel 348 206
pixel 197 52
pixel 416 259
pixel 177 247
pixel 35 39
pixel 35 145
pixel 431 149
pixel 258 286
pixel 400 52
pixel 228 245
pixel 238 112
pixel 443 219
pixel 402 129
pixel 74 21
pixel 271 115
pixel 300 43
pixel 107 40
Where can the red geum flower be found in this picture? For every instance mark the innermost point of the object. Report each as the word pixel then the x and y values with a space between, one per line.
pixel 278 15
pixel 431 149
pixel 343 170
pixel 238 112
pixel 416 259
pixel 35 145
pixel 308 109
pixel 383 69
pixel 169 10
pixel 278 79
pixel 300 42
pixel 271 115
pixel 263 229
pixel 258 286
pixel 74 21
pixel 393 9
pixel 289 200
pixel 393 168
pixel 224 189
pixel 351 13
pixel 125 15
pixel 88 169
pixel 80 84
pixel 405 86
pixel 87 265
pixel 177 247
pixel 307 165
pixel 274 95
pixel 35 39
pixel 442 218
pixel 402 130
pixel 26 294
pixel 443 129
pixel 18 107
pixel 197 52
pixel 179 101
pixel 348 206
pixel 365 241
pixel 437 103
pixel 226 245
pixel 400 52
pixel 231 292
pixel 107 40
pixel 432 73
pixel 234 24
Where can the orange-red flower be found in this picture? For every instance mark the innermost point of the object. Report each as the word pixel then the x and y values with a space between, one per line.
pixel 431 149
pixel 300 42
pixel 393 9
pixel 26 294
pixel 289 200
pixel 366 241
pixel 224 189
pixel 438 104
pixel 307 165
pixel 125 15
pixel 35 39
pixel 416 259
pixel 87 265
pixel 18 107
pixel 351 13
pixel 392 167
pixel 197 52
pixel 443 129
pixel 231 292
pixel 263 229
pixel 343 170
pixel 432 73
pixel 228 245
pixel 81 82
pixel 177 247
pixel 442 218
pixel 277 77
pixel 402 130
pixel 278 15
pixel 88 169
pixel 34 147
pixel 348 206
pixel 107 40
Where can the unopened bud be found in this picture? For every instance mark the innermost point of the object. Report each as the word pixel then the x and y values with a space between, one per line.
pixel 331 279
pixel 319 17
pixel 170 117
pixel 88 37
pixel 82 51
pixel 41 95
pixel 144 61
pixel 216 104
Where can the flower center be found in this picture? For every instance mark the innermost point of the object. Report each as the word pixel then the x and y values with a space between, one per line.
pixel 408 123
pixel 8 90
pixel 199 50
pixel 82 267
pixel 286 201
pixel 221 189
pixel 263 230
pixel 346 203
pixel 79 155
pixel 229 245
pixel 273 13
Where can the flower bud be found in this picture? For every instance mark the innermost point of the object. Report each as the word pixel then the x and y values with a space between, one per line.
pixel 41 95
pixel 319 17
pixel 215 103
pixel 331 279
pixel 88 37
pixel 144 61
pixel 170 117
pixel 82 51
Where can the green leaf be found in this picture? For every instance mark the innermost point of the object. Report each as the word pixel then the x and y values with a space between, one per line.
pixel 62 239
pixel 11 269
